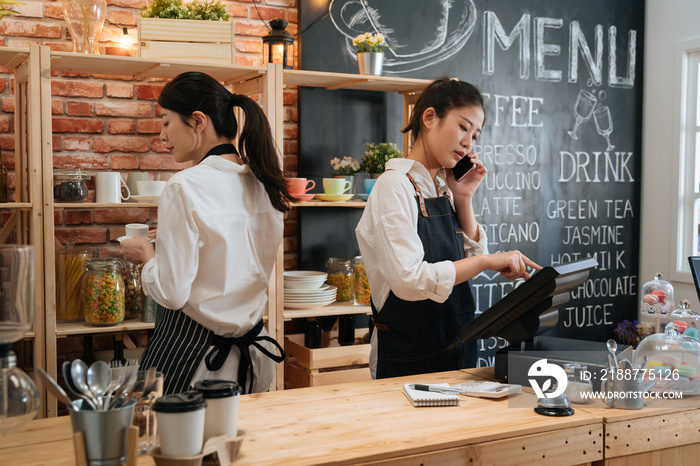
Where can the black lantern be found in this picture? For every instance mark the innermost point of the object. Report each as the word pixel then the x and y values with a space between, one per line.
pixel 278 45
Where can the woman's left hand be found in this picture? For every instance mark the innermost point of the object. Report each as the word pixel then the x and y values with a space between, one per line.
pixel 138 250
pixel 468 185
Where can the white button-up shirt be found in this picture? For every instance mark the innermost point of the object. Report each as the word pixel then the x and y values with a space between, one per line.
pixel 218 236
pixel 391 249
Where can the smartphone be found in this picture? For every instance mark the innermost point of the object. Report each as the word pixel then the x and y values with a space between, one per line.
pixel 463 167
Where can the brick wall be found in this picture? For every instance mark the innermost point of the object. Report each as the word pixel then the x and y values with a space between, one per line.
pixel 113 124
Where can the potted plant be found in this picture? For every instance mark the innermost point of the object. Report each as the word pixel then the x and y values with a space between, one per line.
pixel 370 55
pixel 199 31
pixel 376 156
pixel 346 168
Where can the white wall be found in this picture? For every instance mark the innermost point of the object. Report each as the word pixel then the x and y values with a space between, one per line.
pixel 667 23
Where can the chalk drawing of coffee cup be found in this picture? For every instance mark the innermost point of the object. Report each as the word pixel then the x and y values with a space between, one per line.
pixel 445 26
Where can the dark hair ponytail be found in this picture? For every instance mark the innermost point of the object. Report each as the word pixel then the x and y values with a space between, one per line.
pixel 194 91
pixel 443 94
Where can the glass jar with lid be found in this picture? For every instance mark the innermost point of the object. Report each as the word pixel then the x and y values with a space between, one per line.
pixel 103 292
pixel 685 318
pixel 671 360
pixel 133 293
pixel 657 302
pixel 70 185
pixel 362 295
pixel 341 275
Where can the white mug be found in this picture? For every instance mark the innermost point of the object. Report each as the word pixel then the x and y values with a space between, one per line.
pixel 136 229
pixel 108 188
pixel 133 178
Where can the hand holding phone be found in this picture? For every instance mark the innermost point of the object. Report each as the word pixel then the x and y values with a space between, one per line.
pixel 463 167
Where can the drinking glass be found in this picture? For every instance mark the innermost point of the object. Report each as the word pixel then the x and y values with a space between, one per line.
pixel 603 124
pixel 583 109
pixel 144 416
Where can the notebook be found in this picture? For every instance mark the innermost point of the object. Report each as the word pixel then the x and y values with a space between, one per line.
pixel 420 398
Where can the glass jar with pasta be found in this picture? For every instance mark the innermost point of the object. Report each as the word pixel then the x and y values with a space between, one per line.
pixel 70 265
pixel 103 292
pixel 340 275
pixel 362 295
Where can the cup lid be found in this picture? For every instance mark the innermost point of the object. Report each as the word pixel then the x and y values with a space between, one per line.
pixel 213 388
pixel 180 402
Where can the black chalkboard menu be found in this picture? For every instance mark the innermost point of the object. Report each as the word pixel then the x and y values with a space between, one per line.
pixel 562 140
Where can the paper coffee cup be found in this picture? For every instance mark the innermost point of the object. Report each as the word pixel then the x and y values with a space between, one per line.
pixel 221 414
pixel 180 418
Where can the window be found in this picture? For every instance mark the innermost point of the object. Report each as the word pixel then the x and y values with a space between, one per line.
pixel 688 150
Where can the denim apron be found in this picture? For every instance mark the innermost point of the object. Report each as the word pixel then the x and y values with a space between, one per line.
pixel 417 337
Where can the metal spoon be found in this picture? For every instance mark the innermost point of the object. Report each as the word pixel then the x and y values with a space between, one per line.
pixel 78 371
pixel 71 384
pixel 612 347
pixel 99 378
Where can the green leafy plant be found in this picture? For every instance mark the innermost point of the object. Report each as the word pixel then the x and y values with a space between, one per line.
pixel 209 10
pixel 4 12
pixel 376 156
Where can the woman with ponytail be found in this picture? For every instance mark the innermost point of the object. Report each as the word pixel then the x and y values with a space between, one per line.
pixel 219 228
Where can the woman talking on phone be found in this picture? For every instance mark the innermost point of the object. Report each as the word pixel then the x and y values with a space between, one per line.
pixel 219 228
pixel 421 242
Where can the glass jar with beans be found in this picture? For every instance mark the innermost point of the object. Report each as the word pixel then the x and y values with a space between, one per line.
pixel 133 294
pixel 70 185
pixel 341 275
pixel 103 292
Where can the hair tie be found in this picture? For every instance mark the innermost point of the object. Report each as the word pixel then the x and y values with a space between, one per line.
pixel 233 99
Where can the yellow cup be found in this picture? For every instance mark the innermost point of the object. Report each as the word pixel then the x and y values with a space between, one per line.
pixel 336 186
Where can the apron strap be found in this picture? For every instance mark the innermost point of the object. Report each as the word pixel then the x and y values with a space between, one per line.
pixel 222 347
pixel 419 195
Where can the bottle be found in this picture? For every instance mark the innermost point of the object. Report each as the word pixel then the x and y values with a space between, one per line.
pixel 118 359
pixel 88 356
pixel 346 330
pixel 4 197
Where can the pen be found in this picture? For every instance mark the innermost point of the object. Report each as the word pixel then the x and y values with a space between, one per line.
pixel 433 388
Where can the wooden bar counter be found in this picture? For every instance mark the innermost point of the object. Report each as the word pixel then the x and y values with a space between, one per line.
pixel 367 422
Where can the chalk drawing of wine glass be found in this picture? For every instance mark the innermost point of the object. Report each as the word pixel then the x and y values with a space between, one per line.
pixel 603 123
pixel 583 109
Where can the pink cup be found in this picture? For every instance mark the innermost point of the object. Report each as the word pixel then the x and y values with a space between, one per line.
pixel 299 186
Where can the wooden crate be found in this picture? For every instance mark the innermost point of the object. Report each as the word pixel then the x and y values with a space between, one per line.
pixel 307 367
pixel 204 41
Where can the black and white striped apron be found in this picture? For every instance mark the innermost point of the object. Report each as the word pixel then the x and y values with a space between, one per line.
pixel 176 348
pixel 179 344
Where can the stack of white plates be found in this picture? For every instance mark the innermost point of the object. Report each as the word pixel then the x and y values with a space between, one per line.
pixel 306 289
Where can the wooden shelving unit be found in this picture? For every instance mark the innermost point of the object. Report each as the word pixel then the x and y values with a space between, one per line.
pixel 25 220
pixel 242 79
pixel 410 89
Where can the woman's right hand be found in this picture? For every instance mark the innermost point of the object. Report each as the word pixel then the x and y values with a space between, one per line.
pixel 511 264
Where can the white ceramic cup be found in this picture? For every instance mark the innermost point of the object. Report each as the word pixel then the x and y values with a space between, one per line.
pixel 108 188
pixel 150 188
pixel 136 229
pixel 133 178
pixel 336 186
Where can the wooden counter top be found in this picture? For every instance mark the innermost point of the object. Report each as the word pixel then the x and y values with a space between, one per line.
pixel 367 422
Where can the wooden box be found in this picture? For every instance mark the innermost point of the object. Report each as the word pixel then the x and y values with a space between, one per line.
pixel 307 367
pixel 189 40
